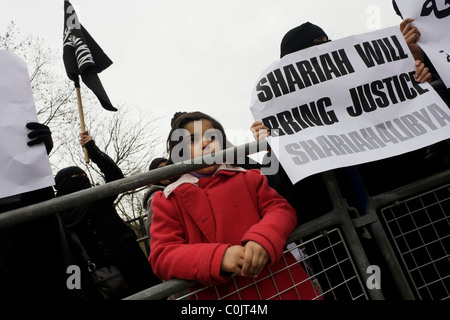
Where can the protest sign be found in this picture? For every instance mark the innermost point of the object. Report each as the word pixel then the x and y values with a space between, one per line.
pixel 347 102
pixel 432 18
pixel 22 168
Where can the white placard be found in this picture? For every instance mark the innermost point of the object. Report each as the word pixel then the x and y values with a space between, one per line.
pixel 432 18
pixel 22 168
pixel 347 102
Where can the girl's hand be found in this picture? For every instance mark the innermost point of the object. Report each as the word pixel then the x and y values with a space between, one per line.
pixel 233 260
pixel 255 259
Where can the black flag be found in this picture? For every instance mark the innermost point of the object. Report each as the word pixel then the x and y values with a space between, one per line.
pixel 83 56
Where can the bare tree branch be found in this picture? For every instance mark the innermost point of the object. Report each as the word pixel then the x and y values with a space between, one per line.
pixel 131 143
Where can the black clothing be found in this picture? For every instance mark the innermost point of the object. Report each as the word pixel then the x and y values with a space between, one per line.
pixel 32 264
pixel 309 196
pixel 443 92
pixel 107 239
pixel 300 38
pixel 33 255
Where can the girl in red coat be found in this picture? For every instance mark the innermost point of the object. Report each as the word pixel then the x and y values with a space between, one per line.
pixel 223 225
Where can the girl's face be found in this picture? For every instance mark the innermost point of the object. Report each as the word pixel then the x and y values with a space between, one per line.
pixel 203 139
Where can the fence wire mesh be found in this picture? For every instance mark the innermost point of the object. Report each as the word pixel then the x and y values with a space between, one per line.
pixel 420 229
pixel 324 257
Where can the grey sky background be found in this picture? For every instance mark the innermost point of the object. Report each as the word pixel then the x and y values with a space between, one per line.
pixel 187 55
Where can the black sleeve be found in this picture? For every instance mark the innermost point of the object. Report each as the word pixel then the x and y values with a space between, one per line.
pixel 107 165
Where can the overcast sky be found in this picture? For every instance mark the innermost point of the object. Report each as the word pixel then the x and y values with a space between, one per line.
pixel 174 55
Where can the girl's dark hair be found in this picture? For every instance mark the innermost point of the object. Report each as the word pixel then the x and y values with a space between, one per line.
pixel 182 120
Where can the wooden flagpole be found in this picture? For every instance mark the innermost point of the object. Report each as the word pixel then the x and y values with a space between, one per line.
pixel 82 124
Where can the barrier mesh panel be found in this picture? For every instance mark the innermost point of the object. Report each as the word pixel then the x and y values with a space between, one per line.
pixel 325 259
pixel 420 229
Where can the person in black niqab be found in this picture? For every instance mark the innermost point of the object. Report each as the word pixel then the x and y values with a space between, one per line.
pixel 71 179
pixel 107 239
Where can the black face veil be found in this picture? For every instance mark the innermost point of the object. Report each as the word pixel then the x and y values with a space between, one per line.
pixel 71 179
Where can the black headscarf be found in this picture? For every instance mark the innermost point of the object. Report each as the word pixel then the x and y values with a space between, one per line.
pixel 300 38
pixel 155 163
pixel 66 184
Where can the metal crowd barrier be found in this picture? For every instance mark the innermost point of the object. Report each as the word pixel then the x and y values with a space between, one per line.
pixel 331 251
pixel 329 266
pixel 410 225
pixel 420 230
pixel 325 257
pixel 330 247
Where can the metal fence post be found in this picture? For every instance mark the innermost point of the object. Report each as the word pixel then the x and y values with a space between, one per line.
pixel 389 256
pixel 349 232
pixel 370 219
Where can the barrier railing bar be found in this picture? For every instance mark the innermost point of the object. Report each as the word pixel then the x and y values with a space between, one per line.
pixel 163 290
pixel 415 187
pixel 53 206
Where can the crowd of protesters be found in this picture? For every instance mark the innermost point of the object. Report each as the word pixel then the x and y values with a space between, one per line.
pixel 218 222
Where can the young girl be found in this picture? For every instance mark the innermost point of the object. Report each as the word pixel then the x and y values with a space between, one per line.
pixel 222 221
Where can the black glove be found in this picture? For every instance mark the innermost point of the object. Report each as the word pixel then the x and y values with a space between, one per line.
pixel 40 133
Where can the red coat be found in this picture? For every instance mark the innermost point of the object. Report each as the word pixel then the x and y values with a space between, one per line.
pixel 194 222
